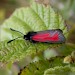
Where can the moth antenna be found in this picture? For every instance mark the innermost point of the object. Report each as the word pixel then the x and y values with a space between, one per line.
pixel 16 31
pixel 13 40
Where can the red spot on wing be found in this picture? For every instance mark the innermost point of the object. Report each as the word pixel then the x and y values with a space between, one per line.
pixel 46 37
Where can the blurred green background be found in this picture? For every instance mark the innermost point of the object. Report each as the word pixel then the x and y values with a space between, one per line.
pixel 65 7
pixel 7 7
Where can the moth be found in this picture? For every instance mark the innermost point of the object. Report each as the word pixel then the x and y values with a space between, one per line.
pixel 46 36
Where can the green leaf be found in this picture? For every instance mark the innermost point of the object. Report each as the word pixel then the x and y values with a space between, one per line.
pixel 38 68
pixel 19 49
pixel 53 66
pixel 37 17
pixel 60 70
